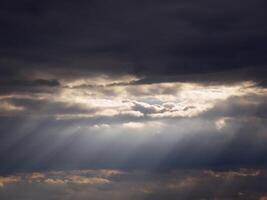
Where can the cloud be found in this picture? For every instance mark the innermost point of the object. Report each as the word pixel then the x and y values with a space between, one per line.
pixel 54 181
pixel 189 184
pixel 191 125
pixel 133 125
pixel 232 174
pixel 165 39
pixel 7 107
pixel 91 181
pixel 34 83
pixel 138 89
pixel 9 180
pixel 87 177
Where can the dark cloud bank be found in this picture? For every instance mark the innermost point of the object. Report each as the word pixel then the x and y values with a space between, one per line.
pixel 148 38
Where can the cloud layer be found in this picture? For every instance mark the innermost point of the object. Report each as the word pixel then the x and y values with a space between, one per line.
pixel 153 39
pixel 168 97
pixel 103 184
pixel 121 125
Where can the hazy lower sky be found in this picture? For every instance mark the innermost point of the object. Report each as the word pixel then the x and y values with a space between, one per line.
pixel 123 99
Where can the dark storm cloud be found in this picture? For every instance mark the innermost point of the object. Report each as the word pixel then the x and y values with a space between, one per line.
pixel 34 83
pixel 28 86
pixel 149 38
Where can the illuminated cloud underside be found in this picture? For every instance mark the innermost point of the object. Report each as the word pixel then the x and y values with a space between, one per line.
pixel 121 99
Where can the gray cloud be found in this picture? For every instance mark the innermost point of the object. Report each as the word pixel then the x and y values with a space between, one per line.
pixel 112 184
pixel 165 38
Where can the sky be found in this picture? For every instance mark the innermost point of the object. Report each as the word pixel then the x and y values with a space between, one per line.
pixel 115 99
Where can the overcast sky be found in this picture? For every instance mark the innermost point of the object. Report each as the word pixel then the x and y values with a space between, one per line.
pixel 128 99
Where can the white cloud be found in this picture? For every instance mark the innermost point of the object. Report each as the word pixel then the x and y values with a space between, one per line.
pixel 133 125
